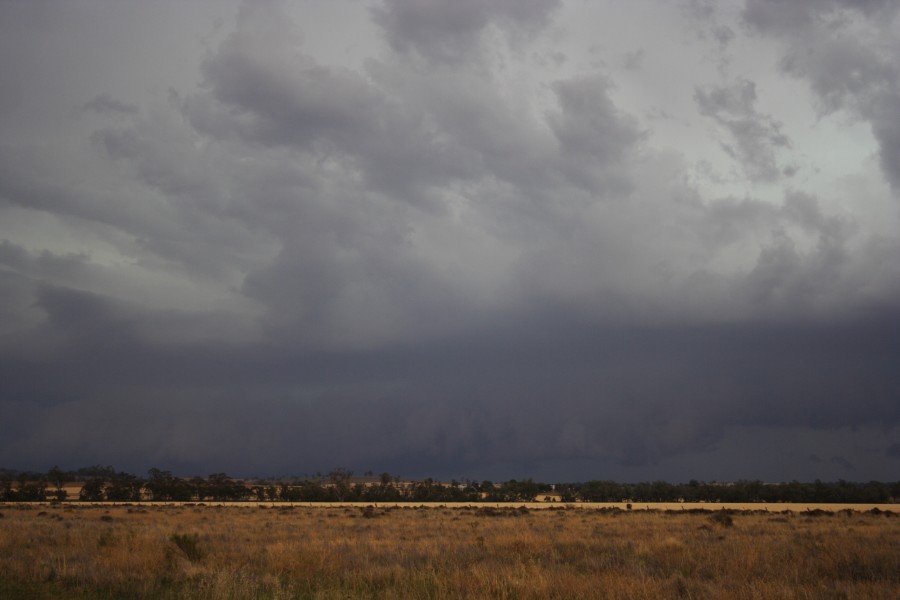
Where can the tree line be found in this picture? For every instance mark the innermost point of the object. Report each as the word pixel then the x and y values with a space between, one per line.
pixel 100 483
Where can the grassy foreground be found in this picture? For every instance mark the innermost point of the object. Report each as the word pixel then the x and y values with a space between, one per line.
pixel 254 553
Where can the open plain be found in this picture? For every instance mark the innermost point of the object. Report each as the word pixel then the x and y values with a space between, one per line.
pixel 283 551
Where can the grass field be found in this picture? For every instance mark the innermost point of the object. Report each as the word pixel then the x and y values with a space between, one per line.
pixel 358 552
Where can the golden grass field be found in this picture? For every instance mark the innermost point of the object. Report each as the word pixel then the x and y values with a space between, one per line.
pixel 653 506
pixel 252 552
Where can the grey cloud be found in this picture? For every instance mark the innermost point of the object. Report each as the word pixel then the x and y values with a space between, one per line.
pixel 809 261
pixel 106 104
pixel 262 89
pixel 594 135
pixel 17 301
pixel 785 17
pixel 843 72
pixel 633 60
pixel 148 144
pixel 47 266
pixel 392 137
pixel 119 143
pixel 22 185
pixel 845 68
pixel 431 131
pixel 884 116
pixel 589 124
pixel 139 223
pixel 434 264
pixel 449 31
pixel 704 14
pixel 842 462
pixel 480 131
pixel 723 35
pixel 755 137
pixel 893 451
pixel 548 392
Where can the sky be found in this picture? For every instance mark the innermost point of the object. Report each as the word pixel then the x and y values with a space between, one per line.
pixel 472 239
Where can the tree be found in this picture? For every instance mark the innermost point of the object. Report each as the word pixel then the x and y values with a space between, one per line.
pixel 340 483
pixel 124 487
pixel 92 490
pixel 221 487
pixel 56 477
pixel 6 493
pixel 162 485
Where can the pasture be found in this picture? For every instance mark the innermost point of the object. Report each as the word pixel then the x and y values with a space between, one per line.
pixel 282 551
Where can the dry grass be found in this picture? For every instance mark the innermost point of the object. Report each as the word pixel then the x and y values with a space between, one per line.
pixel 254 553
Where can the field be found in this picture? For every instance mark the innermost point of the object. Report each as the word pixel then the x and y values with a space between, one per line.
pixel 255 552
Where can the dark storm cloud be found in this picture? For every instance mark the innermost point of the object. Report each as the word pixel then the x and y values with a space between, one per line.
pixel 755 138
pixel 842 462
pixel 450 31
pixel 430 263
pixel 551 392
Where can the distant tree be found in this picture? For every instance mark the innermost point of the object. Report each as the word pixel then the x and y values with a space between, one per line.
pixel 162 485
pixel 290 493
pixel 6 492
pixel 56 477
pixel 271 493
pixel 518 491
pixel 124 487
pixel 259 492
pixel 92 490
pixel 340 483
pixel 313 492
pixel 32 488
pixel 221 487
pixel 384 491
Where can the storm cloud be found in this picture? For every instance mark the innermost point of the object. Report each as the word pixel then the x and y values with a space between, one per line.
pixel 452 239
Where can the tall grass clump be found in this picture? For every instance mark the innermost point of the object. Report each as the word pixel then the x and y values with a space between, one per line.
pixel 189 544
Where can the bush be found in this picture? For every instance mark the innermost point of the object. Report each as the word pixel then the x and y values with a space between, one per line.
pixel 722 518
pixel 189 544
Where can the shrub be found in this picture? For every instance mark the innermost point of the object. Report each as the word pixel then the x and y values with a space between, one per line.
pixel 189 544
pixel 722 518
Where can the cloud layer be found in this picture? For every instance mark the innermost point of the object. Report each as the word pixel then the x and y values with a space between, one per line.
pixel 453 238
